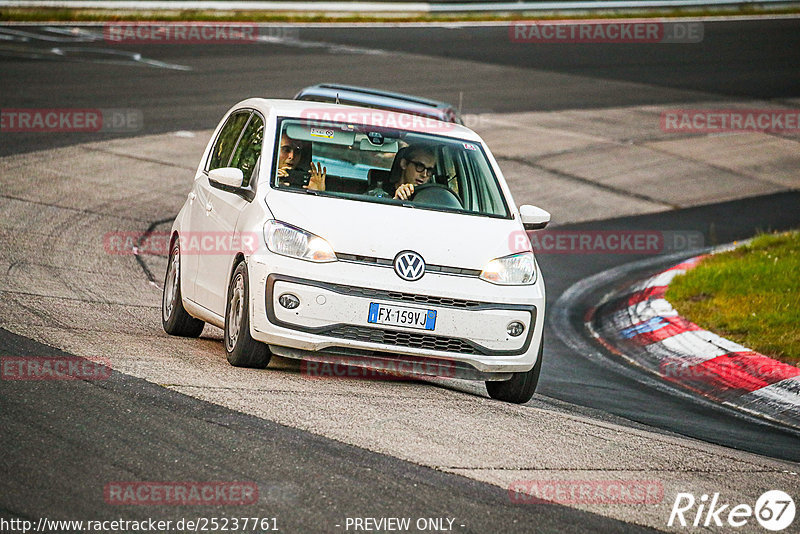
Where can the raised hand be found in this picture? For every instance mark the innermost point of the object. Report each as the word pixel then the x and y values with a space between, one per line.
pixel 318 175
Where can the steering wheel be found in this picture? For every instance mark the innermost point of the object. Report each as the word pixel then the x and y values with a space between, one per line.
pixel 434 194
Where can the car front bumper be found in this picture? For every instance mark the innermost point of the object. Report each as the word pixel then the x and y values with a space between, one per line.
pixel 471 315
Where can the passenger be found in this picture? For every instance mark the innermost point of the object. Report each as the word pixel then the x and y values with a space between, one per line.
pixel 297 155
pixel 414 167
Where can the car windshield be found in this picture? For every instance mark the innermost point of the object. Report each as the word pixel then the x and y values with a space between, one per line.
pixel 386 165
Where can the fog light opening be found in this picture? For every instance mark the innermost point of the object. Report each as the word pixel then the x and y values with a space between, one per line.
pixel 289 301
pixel 515 329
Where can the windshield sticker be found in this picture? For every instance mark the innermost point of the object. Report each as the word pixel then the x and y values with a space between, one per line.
pixel 470 146
pixel 325 133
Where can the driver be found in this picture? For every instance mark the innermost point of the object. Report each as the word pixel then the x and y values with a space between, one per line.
pixel 416 168
pixel 291 153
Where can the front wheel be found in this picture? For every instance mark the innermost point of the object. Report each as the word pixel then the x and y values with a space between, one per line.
pixel 174 317
pixel 241 349
pixel 520 387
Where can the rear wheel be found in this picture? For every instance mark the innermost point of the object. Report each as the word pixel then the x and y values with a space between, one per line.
pixel 241 349
pixel 520 387
pixel 174 318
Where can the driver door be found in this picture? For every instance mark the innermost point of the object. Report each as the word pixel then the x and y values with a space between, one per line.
pixel 238 146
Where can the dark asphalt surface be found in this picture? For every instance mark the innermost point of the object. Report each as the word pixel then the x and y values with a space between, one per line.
pixel 753 59
pixel 756 59
pixel 63 441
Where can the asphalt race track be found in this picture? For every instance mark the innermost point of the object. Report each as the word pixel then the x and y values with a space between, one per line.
pixel 62 441
pixel 736 59
pixel 131 428
pixel 737 220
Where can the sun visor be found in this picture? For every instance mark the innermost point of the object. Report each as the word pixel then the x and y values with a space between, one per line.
pixel 320 133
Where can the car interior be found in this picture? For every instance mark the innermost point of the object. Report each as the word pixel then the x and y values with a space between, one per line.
pixel 361 163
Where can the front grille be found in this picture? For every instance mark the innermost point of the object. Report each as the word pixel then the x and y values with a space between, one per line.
pixel 403 339
pixel 386 262
pixel 406 297
pixel 369 260
pixel 452 270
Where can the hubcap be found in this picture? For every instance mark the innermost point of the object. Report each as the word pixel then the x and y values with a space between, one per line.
pixel 235 312
pixel 171 284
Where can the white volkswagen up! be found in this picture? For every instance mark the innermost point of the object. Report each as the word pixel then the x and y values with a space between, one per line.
pixel 360 237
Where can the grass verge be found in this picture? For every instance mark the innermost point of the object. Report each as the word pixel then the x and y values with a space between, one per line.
pixel 750 295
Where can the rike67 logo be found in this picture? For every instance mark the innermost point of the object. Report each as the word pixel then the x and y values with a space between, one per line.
pixel 774 510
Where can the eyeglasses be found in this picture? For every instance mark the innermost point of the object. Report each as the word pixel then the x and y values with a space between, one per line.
pixel 292 148
pixel 421 168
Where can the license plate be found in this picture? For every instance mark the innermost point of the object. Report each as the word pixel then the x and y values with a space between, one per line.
pixel 401 316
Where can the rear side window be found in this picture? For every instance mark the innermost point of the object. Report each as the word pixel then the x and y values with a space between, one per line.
pixel 226 142
pixel 249 148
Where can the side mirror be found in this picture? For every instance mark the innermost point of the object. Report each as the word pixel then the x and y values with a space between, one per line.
pixel 533 218
pixel 229 176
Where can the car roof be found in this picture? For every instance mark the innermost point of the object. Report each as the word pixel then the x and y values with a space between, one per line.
pixel 325 111
pixel 377 98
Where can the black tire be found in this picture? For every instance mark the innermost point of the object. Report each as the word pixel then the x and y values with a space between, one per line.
pixel 240 348
pixel 520 387
pixel 174 317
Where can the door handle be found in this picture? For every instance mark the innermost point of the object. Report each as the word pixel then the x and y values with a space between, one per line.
pixel 192 196
pixel 209 208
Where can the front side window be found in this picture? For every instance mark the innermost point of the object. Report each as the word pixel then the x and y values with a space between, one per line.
pixel 247 152
pixel 227 139
pixel 387 165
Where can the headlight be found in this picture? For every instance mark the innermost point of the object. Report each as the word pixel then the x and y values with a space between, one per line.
pixel 517 269
pixel 296 243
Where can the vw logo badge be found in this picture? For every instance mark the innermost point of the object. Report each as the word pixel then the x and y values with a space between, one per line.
pixel 409 265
